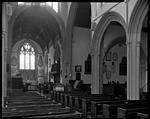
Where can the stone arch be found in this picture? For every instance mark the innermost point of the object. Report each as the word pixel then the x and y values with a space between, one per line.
pixel 103 24
pixel 134 39
pixel 19 9
pixel 137 17
pixel 96 46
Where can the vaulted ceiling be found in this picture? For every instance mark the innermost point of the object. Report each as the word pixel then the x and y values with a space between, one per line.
pixel 37 24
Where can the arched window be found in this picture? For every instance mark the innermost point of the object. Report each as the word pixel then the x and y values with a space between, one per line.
pixel 27 57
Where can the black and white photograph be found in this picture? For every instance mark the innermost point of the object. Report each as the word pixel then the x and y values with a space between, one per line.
pixel 75 59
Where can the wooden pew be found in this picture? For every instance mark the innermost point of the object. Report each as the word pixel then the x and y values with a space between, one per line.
pixel 31 103
pixel 62 98
pixel 36 112
pixel 27 100
pixel 79 99
pixel 143 114
pixel 20 97
pixel 68 99
pixel 58 96
pixel 73 96
pixel 130 111
pixel 97 106
pixel 54 95
pixel 29 107
pixel 86 102
pixel 24 101
pixel 66 115
pixel 23 98
pixel 110 110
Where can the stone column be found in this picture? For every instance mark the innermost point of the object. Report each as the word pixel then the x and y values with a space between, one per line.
pixel 3 70
pixel 100 73
pixel 4 63
pixel 129 69
pixel 93 71
pixel 133 55
pixel 95 79
pixel 137 69
pixel 4 52
pixel 61 64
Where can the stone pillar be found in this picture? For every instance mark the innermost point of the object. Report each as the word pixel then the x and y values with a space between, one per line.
pixel 133 55
pixel 95 79
pixel 129 69
pixel 61 64
pixel 3 70
pixel 93 71
pixel 4 53
pixel 137 68
pixel 100 73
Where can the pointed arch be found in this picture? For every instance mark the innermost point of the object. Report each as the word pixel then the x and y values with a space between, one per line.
pixel 134 39
pixel 97 40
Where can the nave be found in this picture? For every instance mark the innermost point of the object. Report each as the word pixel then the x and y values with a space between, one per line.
pixel 75 60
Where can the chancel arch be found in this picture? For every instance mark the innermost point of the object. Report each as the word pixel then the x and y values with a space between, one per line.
pixel 26 22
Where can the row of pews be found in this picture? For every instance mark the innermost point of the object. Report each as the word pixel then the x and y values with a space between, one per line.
pixel 102 105
pixel 32 105
pixel 74 104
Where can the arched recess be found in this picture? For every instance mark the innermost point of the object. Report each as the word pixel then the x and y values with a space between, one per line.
pixel 138 15
pixel 16 12
pixel 97 41
pixel 75 18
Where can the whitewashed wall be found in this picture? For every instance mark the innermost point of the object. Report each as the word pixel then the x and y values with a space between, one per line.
pixel 80 50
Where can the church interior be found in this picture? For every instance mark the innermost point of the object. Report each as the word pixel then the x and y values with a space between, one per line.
pixel 75 59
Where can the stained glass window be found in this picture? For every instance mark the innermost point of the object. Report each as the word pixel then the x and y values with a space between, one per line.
pixel 27 57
